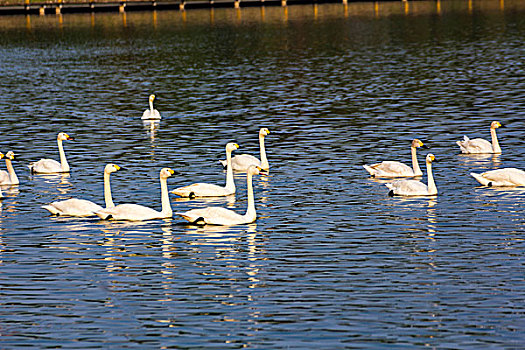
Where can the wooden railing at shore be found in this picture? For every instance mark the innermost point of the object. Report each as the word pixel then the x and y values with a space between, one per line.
pixel 43 7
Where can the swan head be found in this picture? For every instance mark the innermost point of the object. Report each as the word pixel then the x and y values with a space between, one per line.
pixel 8 155
pixel 231 146
pixel 264 132
pixel 417 143
pixel 495 125
pixel 111 168
pixel 62 136
pixel 166 172
pixel 254 170
pixel 151 98
pixel 430 158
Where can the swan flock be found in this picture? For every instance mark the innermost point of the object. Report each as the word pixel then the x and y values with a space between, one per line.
pixel 76 207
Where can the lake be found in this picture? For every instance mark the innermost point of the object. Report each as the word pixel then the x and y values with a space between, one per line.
pixel 332 261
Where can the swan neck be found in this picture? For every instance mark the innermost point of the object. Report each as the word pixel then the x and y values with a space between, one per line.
pixel 151 107
pixel 415 163
pixel 432 189
pixel 251 214
pixel 12 175
pixel 495 144
pixel 63 160
pixel 107 192
pixel 166 205
pixel 230 184
pixel 264 160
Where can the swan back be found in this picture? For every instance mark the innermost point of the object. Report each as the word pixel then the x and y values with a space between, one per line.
pixel 506 177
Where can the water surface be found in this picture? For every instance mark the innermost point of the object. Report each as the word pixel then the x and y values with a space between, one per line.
pixel 332 261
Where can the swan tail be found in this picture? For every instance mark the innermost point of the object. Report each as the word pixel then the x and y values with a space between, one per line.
pixel 51 209
pixel 481 179
pixel 390 186
pixel 463 144
pixel 196 220
pixel 186 217
pixel 370 170
pixel 103 215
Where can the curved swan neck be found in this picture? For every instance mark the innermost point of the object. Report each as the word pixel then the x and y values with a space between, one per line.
pixel 107 191
pixel 415 163
pixel 432 189
pixel 251 214
pixel 12 175
pixel 495 144
pixel 230 184
pixel 264 160
pixel 63 160
pixel 166 205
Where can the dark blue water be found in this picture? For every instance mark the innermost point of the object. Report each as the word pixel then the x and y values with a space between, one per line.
pixel 332 261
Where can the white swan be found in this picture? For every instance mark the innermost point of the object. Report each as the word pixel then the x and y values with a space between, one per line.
pixel 151 113
pixel 83 207
pixel 8 177
pixel 242 162
pixel 223 216
pixel 51 166
pixel 135 212
pixel 476 146
pixel 415 187
pixel 506 177
pixel 210 190
pixel 397 169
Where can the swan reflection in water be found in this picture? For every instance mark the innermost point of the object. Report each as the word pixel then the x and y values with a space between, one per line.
pixel 151 127
pixel 476 160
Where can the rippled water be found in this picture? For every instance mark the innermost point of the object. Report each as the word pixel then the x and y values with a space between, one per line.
pixel 332 261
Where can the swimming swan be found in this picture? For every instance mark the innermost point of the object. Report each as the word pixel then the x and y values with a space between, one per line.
pixel 8 177
pixel 210 190
pixel 135 212
pixel 397 169
pixel 151 113
pixel 83 207
pixel 415 187
pixel 478 145
pixel 51 166
pixel 505 177
pixel 223 216
pixel 242 162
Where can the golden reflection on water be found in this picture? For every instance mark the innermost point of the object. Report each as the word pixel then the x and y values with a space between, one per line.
pixel 155 19
pixel 262 14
